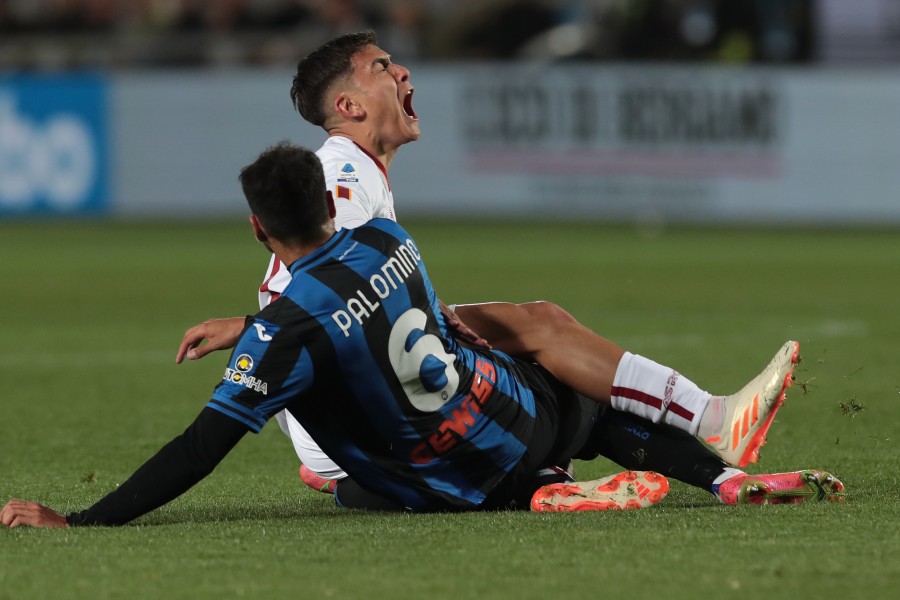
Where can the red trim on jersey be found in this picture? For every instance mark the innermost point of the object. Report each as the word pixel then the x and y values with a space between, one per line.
pixel 265 285
pixel 377 164
pixel 275 296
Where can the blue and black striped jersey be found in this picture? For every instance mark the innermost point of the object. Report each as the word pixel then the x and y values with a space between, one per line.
pixel 357 350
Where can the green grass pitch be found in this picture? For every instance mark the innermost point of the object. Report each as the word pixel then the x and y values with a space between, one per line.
pixel 91 314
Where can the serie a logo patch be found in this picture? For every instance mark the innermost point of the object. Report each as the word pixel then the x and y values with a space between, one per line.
pixel 348 173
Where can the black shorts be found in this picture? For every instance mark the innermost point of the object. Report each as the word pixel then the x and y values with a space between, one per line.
pixel 564 423
pixel 567 426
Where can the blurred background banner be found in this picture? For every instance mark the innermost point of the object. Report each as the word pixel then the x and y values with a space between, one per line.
pixel 53 145
pixel 720 111
pixel 645 143
pixel 686 143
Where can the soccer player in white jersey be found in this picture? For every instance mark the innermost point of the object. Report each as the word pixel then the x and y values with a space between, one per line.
pixel 363 100
pixel 359 185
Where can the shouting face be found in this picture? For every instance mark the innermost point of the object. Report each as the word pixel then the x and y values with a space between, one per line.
pixel 385 94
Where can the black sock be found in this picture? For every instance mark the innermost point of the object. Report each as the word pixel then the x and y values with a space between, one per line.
pixel 639 444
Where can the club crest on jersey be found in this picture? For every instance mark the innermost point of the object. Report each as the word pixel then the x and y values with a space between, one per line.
pixel 237 374
pixel 348 173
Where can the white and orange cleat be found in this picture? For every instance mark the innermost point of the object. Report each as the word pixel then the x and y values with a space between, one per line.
pixel 631 489
pixel 750 412
pixel 781 488
pixel 315 481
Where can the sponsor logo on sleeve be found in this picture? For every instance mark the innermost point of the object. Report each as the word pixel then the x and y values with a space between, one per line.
pixel 239 374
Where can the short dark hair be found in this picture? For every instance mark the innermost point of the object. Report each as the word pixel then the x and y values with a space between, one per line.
pixel 323 67
pixel 285 188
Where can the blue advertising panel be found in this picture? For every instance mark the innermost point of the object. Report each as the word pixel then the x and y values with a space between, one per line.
pixel 53 145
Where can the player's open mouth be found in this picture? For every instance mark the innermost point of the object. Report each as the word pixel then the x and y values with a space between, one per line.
pixel 408 107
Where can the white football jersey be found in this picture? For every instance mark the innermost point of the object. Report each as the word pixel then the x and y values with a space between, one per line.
pixel 359 185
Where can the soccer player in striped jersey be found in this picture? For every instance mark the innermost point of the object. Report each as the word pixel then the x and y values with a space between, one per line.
pixel 356 348
pixel 351 88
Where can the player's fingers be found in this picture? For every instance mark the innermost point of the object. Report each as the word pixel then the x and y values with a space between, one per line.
pixel 183 349
pixel 16 521
pixel 192 338
pixel 33 514
pixel 25 519
pixel 199 352
pixel 12 513
pixel 482 343
pixel 478 341
pixel 11 507
pixel 469 335
pixel 449 316
pixel 179 356
pixel 6 514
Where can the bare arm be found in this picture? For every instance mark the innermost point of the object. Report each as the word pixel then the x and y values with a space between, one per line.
pixel 220 334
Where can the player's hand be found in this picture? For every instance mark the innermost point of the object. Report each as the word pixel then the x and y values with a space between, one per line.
pixel 219 334
pixel 18 513
pixel 460 330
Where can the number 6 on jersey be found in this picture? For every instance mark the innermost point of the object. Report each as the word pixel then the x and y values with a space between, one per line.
pixel 425 370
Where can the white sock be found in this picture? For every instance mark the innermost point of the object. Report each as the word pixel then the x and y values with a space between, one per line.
pixel 713 418
pixel 658 393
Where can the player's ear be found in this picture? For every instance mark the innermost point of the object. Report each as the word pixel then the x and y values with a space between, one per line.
pixel 258 230
pixel 332 211
pixel 348 107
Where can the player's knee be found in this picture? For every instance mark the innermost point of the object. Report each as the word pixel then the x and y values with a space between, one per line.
pixel 547 314
pixel 546 322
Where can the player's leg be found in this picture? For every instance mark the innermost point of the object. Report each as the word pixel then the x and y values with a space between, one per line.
pixel 591 365
pixel 563 422
pixel 735 425
pixel 638 444
pixel 546 334
pixel 317 471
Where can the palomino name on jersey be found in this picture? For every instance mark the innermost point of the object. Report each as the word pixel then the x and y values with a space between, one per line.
pixel 392 274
